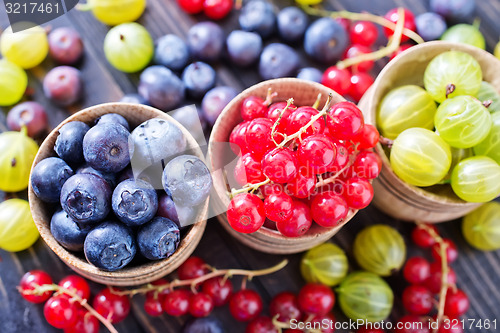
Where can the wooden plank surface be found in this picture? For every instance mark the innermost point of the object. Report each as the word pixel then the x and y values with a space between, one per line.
pixel 478 273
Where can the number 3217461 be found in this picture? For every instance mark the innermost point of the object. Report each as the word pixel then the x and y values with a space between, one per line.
pixel 470 323
pixel 31 8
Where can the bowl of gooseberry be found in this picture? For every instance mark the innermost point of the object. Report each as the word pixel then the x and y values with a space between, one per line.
pixel 136 232
pixel 434 106
pixel 291 164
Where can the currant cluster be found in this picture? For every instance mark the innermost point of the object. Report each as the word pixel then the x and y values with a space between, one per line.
pixel 299 164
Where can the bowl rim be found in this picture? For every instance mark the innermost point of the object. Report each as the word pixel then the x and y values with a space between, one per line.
pixel 69 257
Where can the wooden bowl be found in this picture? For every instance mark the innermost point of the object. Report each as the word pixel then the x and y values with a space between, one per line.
pixel 127 276
pixel 392 195
pixel 265 239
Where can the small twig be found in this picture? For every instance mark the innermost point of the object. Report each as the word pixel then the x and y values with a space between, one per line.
pixel 386 142
pixel 249 187
pixel 277 122
pixel 487 103
pixel 450 88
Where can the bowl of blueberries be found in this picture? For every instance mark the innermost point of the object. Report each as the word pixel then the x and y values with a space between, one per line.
pixel 120 193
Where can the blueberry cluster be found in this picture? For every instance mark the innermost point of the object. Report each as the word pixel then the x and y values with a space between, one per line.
pixel 104 184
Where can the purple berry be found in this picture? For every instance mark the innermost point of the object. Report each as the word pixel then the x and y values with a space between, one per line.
pixel 110 177
pixel 182 215
pixel 326 40
pixel 69 142
pixel 430 26
pixel 161 87
pixel 454 10
pixel 48 177
pixel 29 114
pixel 278 60
pixel 134 99
pixel 158 239
pixel 310 74
pixel 65 45
pixel 113 118
pixel 243 47
pixel 67 232
pixel 206 40
pixel 258 16
pixel 292 24
pixel 63 85
pixel 198 78
pixel 215 101
pixel 172 52
pixel 134 202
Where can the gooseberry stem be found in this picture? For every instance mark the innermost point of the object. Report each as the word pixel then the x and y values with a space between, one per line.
pixel 386 142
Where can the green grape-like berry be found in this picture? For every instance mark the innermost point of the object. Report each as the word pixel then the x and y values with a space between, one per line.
pixel 476 179
pixel 465 34
pixel 462 121
pixel 452 73
pixel 24 44
pixel 326 264
pixel 457 155
pixel 405 107
pixel 490 146
pixel 420 157
pixel 481 227
pixel 13 83
pixel 17 228
pixel 487 92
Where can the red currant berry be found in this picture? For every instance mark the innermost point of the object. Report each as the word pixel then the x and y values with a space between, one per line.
pixel 316 153
pixel 344 121
pixel 366 329
pixel 358 193
pixel 30 281
pixel 60 311
pixel 177 302
pixel 400 50
pixel 328 209
pixel 191 6
pixel 219 289
pixel 299 223
pixel 412 324
pixel 253 107
pixel 248 170
pixel 76 284
pixel 451 250
pixel 258 137
pixel 285 306
pixel 393 16
pixel 363 33
pixel 274 111
pixel 217 9
pixel 320 320
pixel 238 138
pixel 368 138
pixel 261 324
pixel 357 50
pixel 302 186
pixel 245 305
pixel 280 165
pixel 456 304
pixel 418 300
pixel 434 280
pixel 271 188
pixel 159 294
pixel 153 305
pixel 192 268
pixel 367 165
pixel 337 79
pixel 246 213
pixel 341 158
pixel 421 236
pixel 360 82
pixel 300 118
pixel 107 303
pixel 417 270
pixel 278 207
pixel 316 299
pixel 200 305
pixel 85 323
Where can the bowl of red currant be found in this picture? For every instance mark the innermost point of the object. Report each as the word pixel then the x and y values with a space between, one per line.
pixel 291 165
pixel 434 106
pixel 108 194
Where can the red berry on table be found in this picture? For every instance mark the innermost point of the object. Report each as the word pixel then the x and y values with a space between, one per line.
pixel 328 209
pixel 421 236
pixel 363 33
pixel 160 294
pixel 302 186
pixel 248 170
pixel 85 323
pixel 316 153
pixel 191 6
pixel 451 250
pixel 280 165
pixel 417 270
pixel 177 302
pixel 367 165
pixel 393 16
pixel 60 311
pixel 344 121
pixel 434 280
pixel 200 305
pixel 30 281
pixel 456 304
pixel 316 299
pixel 76 284
pixel 285 306
pixel 258 137
pixel 29 114
pixel 245 305
pixel 368 138
pixel 192 268
pixel 326 321
pixel 360 82
pixel 412 324
pixel 237 138
pixel 300 117
pixel 262 324
pixel 418 300
pixel 107 303
pixel 337 79
pixel 246 213
pixel 356 50
pixel 153 305
pixel 219 289
pixel 217 9
pixel 278 207
pixel 365 329
pixel 299 223
pixel 253 107
pixel 358 193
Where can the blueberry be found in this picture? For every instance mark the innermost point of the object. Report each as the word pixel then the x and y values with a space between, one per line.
pixel 134 99
pixel 454 10
pixel 134 202
pixel 48 177
pixel 161 87
pixel 187 179
pixel 67 232
pixel 69 142
pixel 127 173
pixel 430 26
pixel 86 198
pixel 310 74
pixel 110 246
pixel 113 118
pixel 258 16
pixel 198 78
pixel 292 24
pixel 158 239
pixel 182 215
pixel 203 325
pixel 215 101
pixel 110 177
pixel 278 60
pixel 172 52
pixel 206 40
pixel 106 147
pixel 189 117
pixel 243 47
pixel 326 40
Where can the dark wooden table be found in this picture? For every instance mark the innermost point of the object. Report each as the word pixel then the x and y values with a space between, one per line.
pixel 478 272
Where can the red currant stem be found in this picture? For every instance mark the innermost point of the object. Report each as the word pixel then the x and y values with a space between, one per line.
pixel 322 182
pixel 277 122
pixel 249 187
pixel 386 142
pixel 244 283
pixel 316 103
pixel 270 96
pixel 193 282
pixel 279 324
pixel 39 290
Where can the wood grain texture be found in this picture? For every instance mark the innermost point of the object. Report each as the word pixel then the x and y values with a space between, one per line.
pixel 478 273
